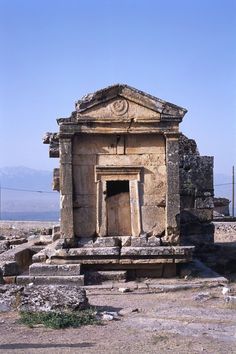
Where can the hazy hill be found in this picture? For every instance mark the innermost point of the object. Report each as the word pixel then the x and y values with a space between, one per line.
pixel 23 191
pixel 223 185
pixel 26 205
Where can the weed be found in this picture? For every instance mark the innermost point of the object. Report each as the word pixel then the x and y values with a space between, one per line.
pixel 159 338
pixel 58 320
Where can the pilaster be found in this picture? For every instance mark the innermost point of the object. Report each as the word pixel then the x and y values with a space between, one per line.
pixel 172 194
pixel 66 189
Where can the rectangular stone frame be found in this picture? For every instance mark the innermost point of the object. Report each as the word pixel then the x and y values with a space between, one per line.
pixel 116 173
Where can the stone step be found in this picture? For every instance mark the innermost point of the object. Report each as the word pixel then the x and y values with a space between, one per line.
pixel 83 254
pixel 86 252
pixel 96 277
pixel 157 251
pixel 50 280
pixel 38 269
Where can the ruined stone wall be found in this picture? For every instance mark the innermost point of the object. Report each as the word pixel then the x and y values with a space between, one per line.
pixel 196 194
pixel 147 151
pixel 221 206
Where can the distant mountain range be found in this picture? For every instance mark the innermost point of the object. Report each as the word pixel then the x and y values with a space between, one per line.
pixel 223 185
pixel 23 193
pixel 27 191
pixel 25 178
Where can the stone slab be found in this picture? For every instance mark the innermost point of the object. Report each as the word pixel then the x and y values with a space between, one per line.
pixel 54 269
pixel 98 251
pixel 51 280
pixel 93 260
pixel 156 251
pixel 151 261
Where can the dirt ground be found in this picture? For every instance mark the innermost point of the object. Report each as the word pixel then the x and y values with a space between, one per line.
pixel 190 321
pixel 186 321
pixel 225 232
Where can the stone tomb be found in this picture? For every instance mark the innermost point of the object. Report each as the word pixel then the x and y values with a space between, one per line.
pixel 119 183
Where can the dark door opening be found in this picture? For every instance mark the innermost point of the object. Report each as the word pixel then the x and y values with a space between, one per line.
pixel 118 208
pixel 116 187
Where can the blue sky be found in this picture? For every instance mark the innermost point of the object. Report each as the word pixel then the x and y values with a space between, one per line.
pixel 54 51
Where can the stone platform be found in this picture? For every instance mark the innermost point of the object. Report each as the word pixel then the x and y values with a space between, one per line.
pixel 105 259
pixel 122 255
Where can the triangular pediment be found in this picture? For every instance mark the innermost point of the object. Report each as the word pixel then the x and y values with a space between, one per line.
pixel 119 108
pixel 125 102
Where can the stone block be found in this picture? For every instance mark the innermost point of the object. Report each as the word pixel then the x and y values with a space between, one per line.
pixel 196 173
pixel 50 298
pixel 132 160
pixel 154 241
pixel 4 245
pixel 56 232
pixel 24 279
pixel 204 203
pixel 157 251
pixel 69 269
pixel 45 239
pixel 146 251
pixel 85 242
pixel 53 269
pixel 107 242
pixel 84 180
pixel 97 251
pixel 154 200
pixel 170 239
pixel 85 222
pixel 100 276
pixel 138 242
pixel 84 160
pixel 55 229
pixel 154 144
pixel 59 280
pixel 84 201
pixel 154 184
pixel 56 179
pixel 153 219
pixel 17 241
pixel 103 144
pixel 66 179
pixel 125 241
pixel 42 269
pixel 203 215
pixel 39 257
pixel 10 268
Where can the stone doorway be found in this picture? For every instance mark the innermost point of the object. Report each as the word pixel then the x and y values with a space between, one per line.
pixel 118 199
pixel 118 208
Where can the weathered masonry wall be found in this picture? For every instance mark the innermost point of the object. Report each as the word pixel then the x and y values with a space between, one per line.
pixel 93 153
pixel 119 182
pixel 221 207
pixel 196 194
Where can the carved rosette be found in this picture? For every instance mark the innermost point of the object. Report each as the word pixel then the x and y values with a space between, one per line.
pixel 119 107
